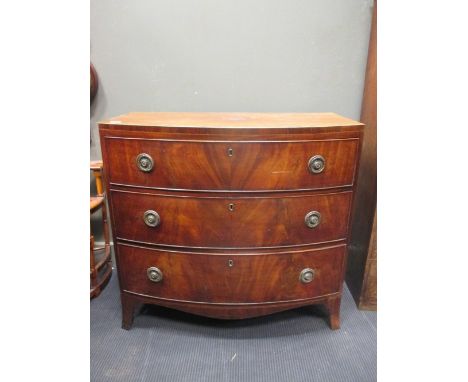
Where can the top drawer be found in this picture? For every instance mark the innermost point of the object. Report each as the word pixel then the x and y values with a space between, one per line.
pixel 231 166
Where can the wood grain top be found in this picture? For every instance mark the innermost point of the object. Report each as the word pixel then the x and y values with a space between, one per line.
pixel 231 120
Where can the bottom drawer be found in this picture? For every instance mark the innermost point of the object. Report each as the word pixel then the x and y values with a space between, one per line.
pixel 230 278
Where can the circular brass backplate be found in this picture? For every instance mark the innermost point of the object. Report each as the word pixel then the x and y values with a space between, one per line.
pixel 312 219
pixel 307 275
pixel 151 218
pixel 154 274
pixel 316 164
pixel 144 162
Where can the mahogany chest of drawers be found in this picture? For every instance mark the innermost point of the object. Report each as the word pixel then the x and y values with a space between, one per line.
pixel 230 215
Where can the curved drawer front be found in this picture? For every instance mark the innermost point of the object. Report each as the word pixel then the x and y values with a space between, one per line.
pixel 285 165
pixel 176 164
pixel 192 222
pixel 240 166
pixel 276 221
pixel 231 222
pixel 226 278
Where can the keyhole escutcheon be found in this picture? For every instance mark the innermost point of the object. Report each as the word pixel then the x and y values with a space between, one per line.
pixel 231 207
pixel 230 263
pixel 230 151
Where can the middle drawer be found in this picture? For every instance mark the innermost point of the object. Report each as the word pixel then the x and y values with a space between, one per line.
pixel 234 222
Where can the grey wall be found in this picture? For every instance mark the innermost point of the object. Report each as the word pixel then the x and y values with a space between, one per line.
pixel 220 55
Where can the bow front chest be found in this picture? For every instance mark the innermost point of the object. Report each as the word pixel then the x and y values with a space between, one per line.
pixel 230 215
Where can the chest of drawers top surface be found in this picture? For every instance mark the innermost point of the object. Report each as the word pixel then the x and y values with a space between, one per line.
pixel 235 120
pixel 255 206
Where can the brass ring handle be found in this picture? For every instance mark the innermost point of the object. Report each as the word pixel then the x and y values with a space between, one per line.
pixel 316 164
pixel 144 162
pixel 151 218
pixel 312 219
pixel 154 274
pixel 307 275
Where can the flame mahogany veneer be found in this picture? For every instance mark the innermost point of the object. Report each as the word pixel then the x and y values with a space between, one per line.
pixel 230 215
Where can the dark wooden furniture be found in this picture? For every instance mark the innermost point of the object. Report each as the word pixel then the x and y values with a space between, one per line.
pixel 230 215
pixel 100 257
pixel 361 276
pixel 93 83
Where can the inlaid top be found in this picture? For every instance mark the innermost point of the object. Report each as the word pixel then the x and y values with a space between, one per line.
pixel 236 120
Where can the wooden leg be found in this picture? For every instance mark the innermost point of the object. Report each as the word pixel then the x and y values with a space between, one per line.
pixel 128 308
pixel 333 306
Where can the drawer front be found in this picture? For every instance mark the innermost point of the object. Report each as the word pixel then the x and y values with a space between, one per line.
pixel 176 165
pixel 285 165
pixel 271 222
pixel 184 221
pixel 226 278
pixel 231 222
pixel 241 166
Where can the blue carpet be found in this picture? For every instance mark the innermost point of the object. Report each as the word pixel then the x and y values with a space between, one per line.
pixel 167 345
